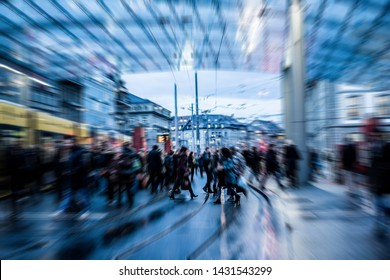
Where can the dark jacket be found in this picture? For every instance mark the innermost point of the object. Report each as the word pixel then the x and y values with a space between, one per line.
pixel 348 157
pixel 206 160
pixel 382 183
pixel 271 161
pixel 292 156
pixel 80 167
pixel 182 168
pixel 154 161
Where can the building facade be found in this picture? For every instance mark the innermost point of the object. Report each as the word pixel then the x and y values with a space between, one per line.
pixel 261 132
pixel 154 119
pixel 215 131
pixel 335 112
pixel 321 115
pixel 99 105
pixel 218 131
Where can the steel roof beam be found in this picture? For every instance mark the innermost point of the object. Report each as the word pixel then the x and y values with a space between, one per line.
pixel 147 32
pixel 317 22
pixel 183 29
pixel 64 29
pixel 205 34
pixel 128 34
pixel 366 36
pixel 27 48
pixel 160 24
pixel 33 22
pixel 60 8
pixel 105 30
pixel 175 42
pixel 223 26
pixel 336 40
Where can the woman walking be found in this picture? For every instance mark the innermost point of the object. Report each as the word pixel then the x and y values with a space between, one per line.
pixel 183 174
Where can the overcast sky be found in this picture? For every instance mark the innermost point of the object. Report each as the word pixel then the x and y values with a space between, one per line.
pixel 242 94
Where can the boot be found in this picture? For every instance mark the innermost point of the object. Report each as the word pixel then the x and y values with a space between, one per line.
pixel 193 195
pixel 237 200
pixel 172 194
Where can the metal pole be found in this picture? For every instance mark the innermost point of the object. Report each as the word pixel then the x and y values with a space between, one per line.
pixel 207 129
pixel 176 126
pixel 192 127
pixel 197 115
pixel 183 141
pixel 298 86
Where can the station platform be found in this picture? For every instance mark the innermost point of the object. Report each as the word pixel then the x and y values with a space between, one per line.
pixel 316 221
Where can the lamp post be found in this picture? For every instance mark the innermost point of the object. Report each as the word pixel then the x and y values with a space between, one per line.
pixel 176 125
pixel 204 113
pixel 197 114
pixel 192 125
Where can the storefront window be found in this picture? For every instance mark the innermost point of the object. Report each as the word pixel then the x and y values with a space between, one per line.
pixel 354 103
pixel 382 105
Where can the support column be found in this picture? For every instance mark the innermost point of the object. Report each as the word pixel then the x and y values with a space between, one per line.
pixel 294 88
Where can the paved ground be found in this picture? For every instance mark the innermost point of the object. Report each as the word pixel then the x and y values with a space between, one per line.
pixel 317 221
pixel 324 222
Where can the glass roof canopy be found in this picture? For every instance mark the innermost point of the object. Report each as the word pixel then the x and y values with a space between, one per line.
pixel 346 40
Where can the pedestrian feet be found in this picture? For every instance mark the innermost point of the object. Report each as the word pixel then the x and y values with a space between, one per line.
pixel 207 190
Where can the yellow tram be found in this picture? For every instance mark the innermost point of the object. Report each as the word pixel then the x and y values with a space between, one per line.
pixel 19 124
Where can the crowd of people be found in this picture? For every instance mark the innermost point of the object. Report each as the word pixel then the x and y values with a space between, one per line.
pixel 80 172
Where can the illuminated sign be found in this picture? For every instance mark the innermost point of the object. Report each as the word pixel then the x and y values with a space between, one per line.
pixel 162 138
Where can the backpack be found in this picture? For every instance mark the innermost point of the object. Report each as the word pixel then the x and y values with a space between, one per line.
pixel 137 166
pixel 126 165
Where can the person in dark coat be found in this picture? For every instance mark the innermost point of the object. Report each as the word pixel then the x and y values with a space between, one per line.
pixel 168 165
pixel 32 174
pixel 227 167
pixel 253 160
pixel 348 160
pixel 154 168
pixel 175 163
pixel 182 174
pixel 201 164
pixel 62 169
pixel 216 158
pixel 15 168
pixel 291 157
pixel 191 165
pixel 380 179
pixel 80 166
pixel 271 167
pixel 208 169
pixel 127 174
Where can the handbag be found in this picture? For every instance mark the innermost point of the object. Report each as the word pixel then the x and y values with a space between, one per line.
pixel 186 184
